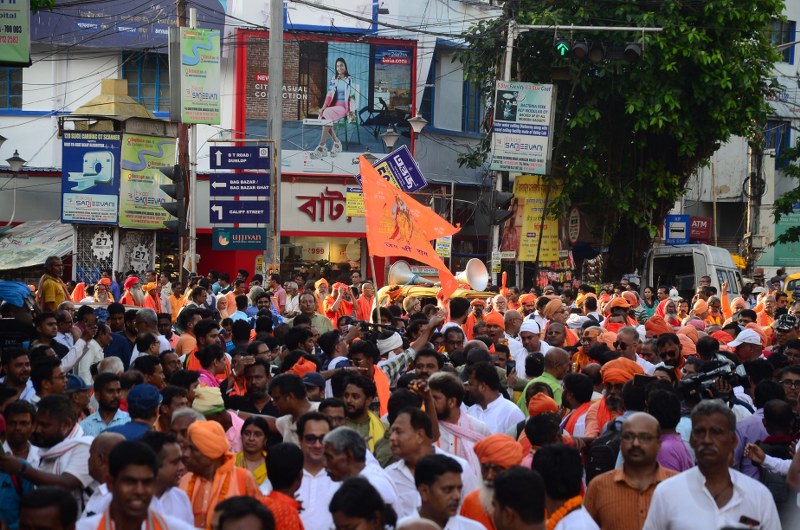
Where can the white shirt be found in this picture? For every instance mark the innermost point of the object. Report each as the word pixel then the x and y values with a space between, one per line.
pixel 687 490
pixel 98 502
pixel 499 415
pixel 71 455
pixel 287 427
pixel 408 499
pixel 175 502
pixel 164 345
pixel 457 522
pixel 292 304
pixel 519 354
pixel 315 494
pixel 91 523
pixel 66 339
pixel 577 520
pixel 33 454
pixel 28 393
pixel 646 365
pixel 93 355
pixel 377 477
pixel 451 443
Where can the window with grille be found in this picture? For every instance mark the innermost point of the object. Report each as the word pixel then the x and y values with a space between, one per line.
pixel 10 88
pixel 148 79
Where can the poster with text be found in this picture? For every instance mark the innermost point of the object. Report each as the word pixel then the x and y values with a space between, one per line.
pixel 523 125
pixel 90 177
pixel 198 76
pixel 15 33
pixel 534 227
pixel 140 195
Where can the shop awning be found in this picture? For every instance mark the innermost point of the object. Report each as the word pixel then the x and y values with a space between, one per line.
pixel 29 244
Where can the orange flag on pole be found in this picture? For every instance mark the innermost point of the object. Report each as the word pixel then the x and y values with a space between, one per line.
pixel 397 225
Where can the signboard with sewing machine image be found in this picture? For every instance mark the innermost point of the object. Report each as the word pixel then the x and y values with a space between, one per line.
pixel 90 177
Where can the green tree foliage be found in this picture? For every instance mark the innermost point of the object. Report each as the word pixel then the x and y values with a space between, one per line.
pixel 629 135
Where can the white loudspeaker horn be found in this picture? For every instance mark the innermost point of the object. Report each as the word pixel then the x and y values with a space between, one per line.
pixel 475 275
pixel 400 274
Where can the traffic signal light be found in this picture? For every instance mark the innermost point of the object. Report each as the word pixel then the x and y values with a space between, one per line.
pixel 597 51
pixel 499 207
pixel 177 191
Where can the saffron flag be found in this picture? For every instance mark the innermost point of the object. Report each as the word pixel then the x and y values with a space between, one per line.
pixel 397 225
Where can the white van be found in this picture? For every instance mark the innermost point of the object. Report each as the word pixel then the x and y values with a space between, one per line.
pixel 682 266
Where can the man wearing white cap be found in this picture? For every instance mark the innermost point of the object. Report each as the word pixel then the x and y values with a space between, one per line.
pixel 390 345
pixel 530 342
pixel 747 345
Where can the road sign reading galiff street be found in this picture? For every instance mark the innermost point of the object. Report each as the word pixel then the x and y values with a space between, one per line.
pixel 241 184
pixel 247 157
pixel 239 212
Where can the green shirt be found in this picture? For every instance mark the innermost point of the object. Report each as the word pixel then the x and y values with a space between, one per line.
pixel 319 322
pixel 549 380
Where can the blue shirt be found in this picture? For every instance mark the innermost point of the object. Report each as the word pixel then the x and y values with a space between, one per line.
pixel 93 424
pixel 132 431
pixel 120 347
pixel 116 292
pixel 239 315
pixel 11 489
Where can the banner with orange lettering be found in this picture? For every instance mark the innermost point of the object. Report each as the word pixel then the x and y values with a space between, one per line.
pixel 397 225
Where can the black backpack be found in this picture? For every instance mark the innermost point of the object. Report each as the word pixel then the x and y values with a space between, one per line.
pixel 604 451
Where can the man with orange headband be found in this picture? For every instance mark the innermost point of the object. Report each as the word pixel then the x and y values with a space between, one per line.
pixel 151 300
pixel 212 475
pixel 338 304
pixel 475 315
pixel 496 453
pixel 321 291
pixel 527 304
pixel 615 374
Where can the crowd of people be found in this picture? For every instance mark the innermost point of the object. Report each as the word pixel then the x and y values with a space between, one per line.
pixel 246 404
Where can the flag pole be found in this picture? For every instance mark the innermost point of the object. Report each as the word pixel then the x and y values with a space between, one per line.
pixel 374 285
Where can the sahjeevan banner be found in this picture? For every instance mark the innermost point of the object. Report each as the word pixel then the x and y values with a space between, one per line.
pixel 197 79
pixel 522 231
pixel 140 195
pixel 90 177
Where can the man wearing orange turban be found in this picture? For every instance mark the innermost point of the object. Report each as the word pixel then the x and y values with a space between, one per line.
pixel 496 453
pixel 700 309
pixel 656 326
pixel 615 374
pixel 555 311
pixel 527 303
pixel 321 292
pixel 475 315
pixel 540 403
pixel 212 475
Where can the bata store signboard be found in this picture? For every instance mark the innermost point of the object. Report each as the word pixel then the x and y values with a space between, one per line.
pixel 311 207
pixel 338 94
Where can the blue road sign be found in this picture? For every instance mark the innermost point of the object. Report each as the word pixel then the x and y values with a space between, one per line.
pixel 247 157
pixel 229 212
pixel 676 229
pixel 241 184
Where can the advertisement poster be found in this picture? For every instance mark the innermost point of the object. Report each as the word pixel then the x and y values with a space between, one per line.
pixel 399 168
pixel 90 177
pixel 339 96
pixel 140 196
pixel 534 190
pixel 788 254
pixel 525 187
pixel 523 125
pixel 15 33
pixel 199 77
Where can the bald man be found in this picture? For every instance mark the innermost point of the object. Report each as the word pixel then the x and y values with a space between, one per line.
pixel 513 321
pixel 419 524
pixel 620 498
pixel 557 364
pixel 98 468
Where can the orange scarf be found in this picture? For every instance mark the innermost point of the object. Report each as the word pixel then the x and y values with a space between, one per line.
pixel 154 521
pixel 382 384
pixel 569 426
pixel 228 482
pixel 605 414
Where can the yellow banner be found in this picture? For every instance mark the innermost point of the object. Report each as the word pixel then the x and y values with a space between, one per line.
pixel 533 190
pixel 354 207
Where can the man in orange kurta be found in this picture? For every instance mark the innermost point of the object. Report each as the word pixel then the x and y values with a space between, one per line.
pixel 365 301
pixel 213 476
pixel 338 304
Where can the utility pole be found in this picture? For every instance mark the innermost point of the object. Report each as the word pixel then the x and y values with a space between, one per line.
pixel 192 213
pixel 183 144
pixel 275 113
